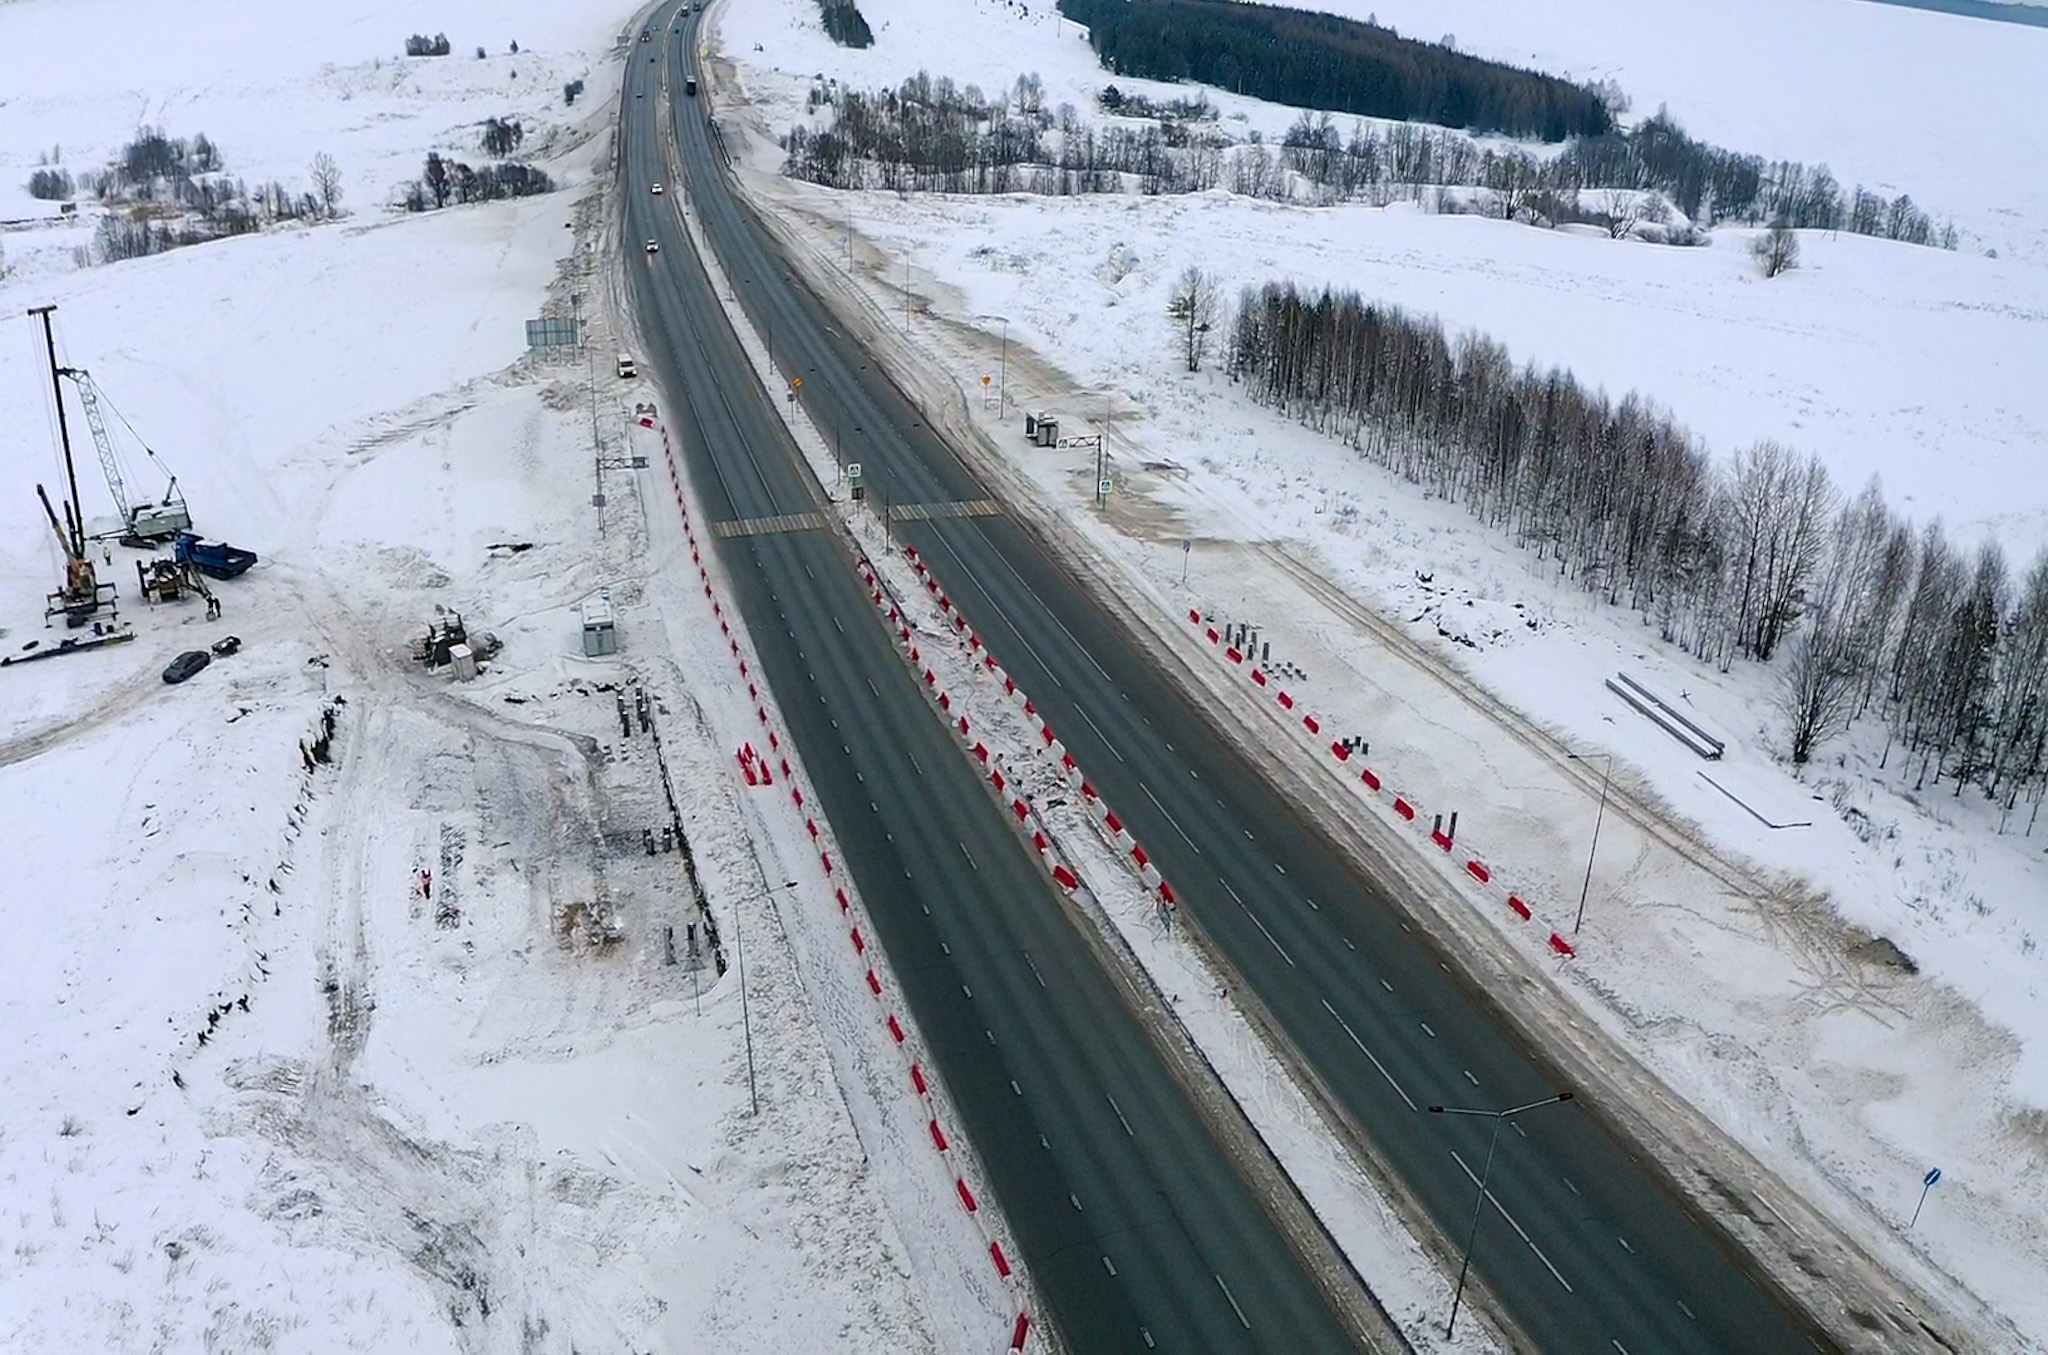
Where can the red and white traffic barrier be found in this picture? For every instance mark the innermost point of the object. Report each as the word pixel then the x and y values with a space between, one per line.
pixel 1127 847
pixel 755 767
pixel 1479 877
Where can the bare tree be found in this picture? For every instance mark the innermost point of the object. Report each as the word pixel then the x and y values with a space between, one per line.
pixel 1621 211
pixel 1776 250
pixel 1193 304
pixel 1820 684
pixel 1512 177
pixel 327 184
pixel 1848 614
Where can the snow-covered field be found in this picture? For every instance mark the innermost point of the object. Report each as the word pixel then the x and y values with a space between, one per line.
pixel 1846 1077
pixel 264 1093
pixel 270 1087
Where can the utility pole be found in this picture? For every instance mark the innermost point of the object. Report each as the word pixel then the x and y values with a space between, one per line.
pixel 1499 1117
pixel 746 1017
pixel 1102 453
pixel 1599 817
pixel 64 433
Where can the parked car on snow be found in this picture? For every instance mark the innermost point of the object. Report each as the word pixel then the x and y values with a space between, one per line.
pixel 186 664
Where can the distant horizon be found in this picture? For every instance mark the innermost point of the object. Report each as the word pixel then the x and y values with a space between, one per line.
pixel 1998 11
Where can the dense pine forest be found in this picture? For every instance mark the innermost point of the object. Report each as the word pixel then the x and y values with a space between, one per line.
pixel 1309 60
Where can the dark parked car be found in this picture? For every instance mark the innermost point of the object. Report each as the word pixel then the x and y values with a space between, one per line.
pixel 186 664
pixel 226 645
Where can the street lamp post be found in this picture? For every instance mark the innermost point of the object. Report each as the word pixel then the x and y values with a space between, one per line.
pixel 746 1017
pixel 1606 771
pixel 1479 1206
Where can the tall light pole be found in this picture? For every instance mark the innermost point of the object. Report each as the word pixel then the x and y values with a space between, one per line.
pixel 1606 771
pixel 1478 1206
pixel 746 1017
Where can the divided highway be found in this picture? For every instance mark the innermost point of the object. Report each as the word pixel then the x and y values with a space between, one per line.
pixel 1581 1247
pixel 1136 1224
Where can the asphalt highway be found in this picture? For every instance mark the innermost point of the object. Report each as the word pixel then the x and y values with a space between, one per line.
pixel 1135 1223
pixel 1580 1246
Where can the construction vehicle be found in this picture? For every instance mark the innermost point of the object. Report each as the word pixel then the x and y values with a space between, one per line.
pixel 83 595
pixel 169 580
pixel 216 559
pixel 142 524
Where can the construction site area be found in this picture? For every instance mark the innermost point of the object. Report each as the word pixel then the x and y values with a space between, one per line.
pixel 423 952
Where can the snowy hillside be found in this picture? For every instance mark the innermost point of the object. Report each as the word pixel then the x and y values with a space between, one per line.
pixel 1789 1025
pixel 1907 363
pixel 342 1006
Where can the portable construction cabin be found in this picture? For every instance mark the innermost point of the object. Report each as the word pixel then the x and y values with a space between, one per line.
pixel 599 635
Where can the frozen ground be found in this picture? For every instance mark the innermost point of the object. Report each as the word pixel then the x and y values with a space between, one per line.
pixel 1732 958
pixel 269 1088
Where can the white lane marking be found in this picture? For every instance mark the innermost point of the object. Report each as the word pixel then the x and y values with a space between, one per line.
pixel 1015 1088
pixel 1082 711
pixel 1568 1184
pixel 1471 1176
pixel 1687 1311
pixel 1034 969
pixel 1119 1114
pixel 1233 1302
pixel 1169 818
pixel 1369 1054
pixel 1469 1078
pixel 968 992
pixel 1388 986
pixel 969 855
pixel 1518 1129
pixel 1624 1245
pixel 871 687
pixel 914 762
pixel 1277 866
pixel 1260 925
pixel 1426 1030
pixel 836 626
pixel 1074 1200
pixel 1107 1266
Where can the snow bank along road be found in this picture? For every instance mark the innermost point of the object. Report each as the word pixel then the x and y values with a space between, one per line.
pixel 1135 1221
pixel 1582 1246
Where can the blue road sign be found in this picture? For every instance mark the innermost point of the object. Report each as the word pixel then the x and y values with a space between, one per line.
pixel 1933 1175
